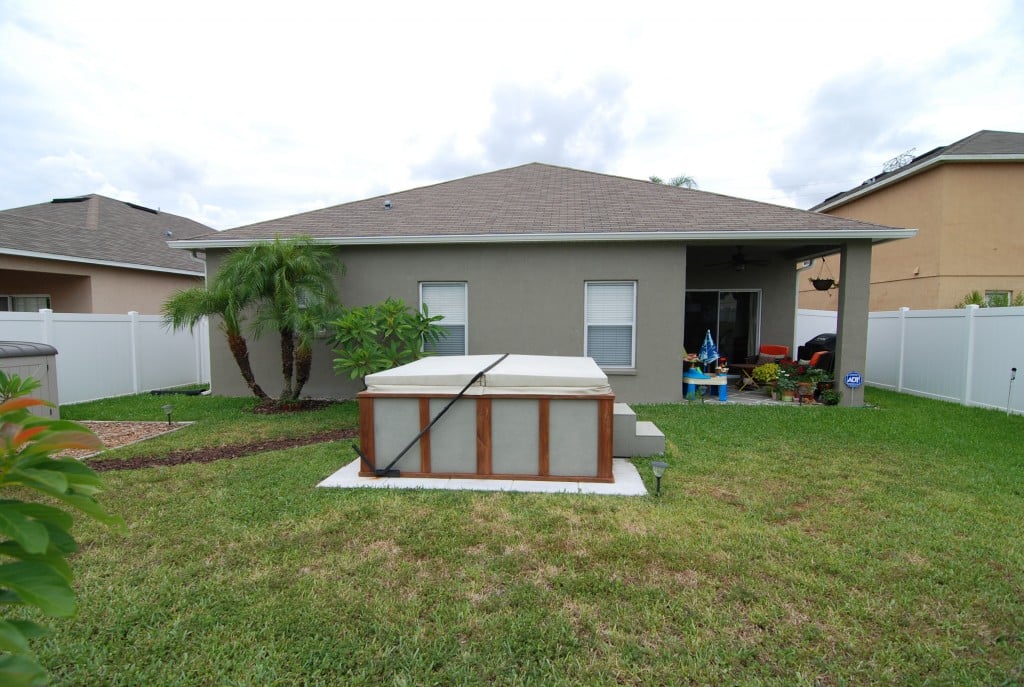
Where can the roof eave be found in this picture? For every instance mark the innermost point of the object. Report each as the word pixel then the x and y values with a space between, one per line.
pixel 910 171
pixel 875 235
pixel 104 263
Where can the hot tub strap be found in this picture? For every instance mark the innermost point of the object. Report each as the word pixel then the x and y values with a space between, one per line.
pixel 390 470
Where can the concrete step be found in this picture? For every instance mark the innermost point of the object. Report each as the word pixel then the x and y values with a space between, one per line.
pixel 632 438
pixel 649 440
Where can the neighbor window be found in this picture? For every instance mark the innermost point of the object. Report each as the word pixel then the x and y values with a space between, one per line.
pixel 610 323
pixel 447 299
pixel 997 299
pixel 23 303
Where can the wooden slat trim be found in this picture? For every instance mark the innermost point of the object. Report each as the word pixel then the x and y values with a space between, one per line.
pixel 425 439
pixel 543 437
pixel 605 419
pixel 483 436
pixel 366 436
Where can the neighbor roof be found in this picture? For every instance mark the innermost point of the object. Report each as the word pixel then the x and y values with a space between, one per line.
pixel 539 202
pixel 100 230
pixel 983 146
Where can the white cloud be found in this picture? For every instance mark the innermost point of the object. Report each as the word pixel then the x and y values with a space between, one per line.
pixel 246 111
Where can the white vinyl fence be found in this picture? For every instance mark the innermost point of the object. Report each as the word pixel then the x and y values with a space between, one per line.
pixel 965 356
pixel 99 356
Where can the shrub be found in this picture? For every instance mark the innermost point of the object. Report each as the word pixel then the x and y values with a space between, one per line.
pixel 36 541
pixel 378 337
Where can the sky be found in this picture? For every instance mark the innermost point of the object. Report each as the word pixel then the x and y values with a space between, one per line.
pixel 232 113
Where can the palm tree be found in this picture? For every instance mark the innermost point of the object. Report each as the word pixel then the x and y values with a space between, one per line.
pixel 187 307
pixel 682 181
pixel 292 283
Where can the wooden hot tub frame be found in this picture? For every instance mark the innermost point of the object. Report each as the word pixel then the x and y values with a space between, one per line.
pixel 487 434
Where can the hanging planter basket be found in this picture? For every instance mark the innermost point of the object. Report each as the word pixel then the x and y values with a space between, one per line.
pixel 823 284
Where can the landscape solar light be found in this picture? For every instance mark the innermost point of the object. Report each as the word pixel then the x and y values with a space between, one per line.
pixel 658 468
pixel 168 409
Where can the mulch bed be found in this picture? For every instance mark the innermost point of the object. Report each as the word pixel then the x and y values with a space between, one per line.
pixel 208 455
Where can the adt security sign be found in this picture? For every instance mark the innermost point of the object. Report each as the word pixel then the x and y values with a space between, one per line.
pixel 854 379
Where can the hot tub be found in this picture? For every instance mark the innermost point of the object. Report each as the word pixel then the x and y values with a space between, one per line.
pixel 526 417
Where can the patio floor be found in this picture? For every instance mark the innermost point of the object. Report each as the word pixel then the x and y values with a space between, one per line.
pixel 747 397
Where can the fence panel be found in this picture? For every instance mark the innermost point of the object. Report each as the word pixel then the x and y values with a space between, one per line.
pixel 964 356
pixel 163 354
pixel 99 355
pixel 885 341
pixel 998 346
pixel 93 356
pixel 935 354
pixel 810 323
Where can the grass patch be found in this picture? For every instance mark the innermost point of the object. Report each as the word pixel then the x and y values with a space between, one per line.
pixel 814 546
pixel 218 421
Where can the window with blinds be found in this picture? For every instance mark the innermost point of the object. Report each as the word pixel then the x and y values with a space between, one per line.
pixel 447 299
pixel 610 323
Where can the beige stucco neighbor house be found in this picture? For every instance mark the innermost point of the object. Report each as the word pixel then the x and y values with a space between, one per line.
pixel 967 201
pixel 92 254
pixel 546 260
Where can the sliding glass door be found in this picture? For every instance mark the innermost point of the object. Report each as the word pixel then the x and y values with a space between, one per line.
pixel 732 316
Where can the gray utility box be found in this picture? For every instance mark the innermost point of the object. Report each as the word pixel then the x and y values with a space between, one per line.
pixel 37 360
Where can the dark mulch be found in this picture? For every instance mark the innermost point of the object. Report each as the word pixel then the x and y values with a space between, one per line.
pixel 208 455
pixel 272 407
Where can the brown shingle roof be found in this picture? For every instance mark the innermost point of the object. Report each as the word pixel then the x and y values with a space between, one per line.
pixel 539 199
pixel 98 228
pixel 996 145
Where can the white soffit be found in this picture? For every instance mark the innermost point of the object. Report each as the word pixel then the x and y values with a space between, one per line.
pixel 731 236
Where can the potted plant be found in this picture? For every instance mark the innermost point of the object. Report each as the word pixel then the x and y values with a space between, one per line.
pixel 787 387
pixel 766 373
pixel 823 284
pixel 829 397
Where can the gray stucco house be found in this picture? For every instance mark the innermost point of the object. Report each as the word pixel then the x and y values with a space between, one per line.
pixel 547 260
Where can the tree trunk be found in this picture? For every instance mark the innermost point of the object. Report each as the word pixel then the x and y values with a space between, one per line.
pixel 240 351
pixel 303 366
pixel 287 363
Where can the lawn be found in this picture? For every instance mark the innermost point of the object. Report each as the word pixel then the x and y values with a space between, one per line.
pixel 813 546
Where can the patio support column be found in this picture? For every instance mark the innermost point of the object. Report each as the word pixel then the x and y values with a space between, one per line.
pixel 852 323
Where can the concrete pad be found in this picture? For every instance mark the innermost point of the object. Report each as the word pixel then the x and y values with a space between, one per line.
pixel 627 483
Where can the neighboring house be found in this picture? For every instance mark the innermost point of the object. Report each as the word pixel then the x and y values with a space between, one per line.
pixel 547 260
pixel 92 254
pixel 967 201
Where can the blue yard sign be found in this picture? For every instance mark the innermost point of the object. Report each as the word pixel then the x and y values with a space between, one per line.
pixel 854 379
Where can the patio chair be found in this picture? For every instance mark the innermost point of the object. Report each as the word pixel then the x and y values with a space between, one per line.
pixel 767 353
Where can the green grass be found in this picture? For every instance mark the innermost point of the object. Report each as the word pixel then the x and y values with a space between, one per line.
pixel 813 546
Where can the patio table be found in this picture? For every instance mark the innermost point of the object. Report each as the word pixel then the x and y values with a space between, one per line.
pixel 721 381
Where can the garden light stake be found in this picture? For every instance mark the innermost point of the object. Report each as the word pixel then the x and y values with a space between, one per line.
pixel 1013 376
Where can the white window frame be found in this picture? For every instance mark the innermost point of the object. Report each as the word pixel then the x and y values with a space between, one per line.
pixel 465 307
pixel 587 323
pixel 991 293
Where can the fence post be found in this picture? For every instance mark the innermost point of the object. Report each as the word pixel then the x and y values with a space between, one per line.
pixel 969 363
pixel 133 345
pixel 903 348
pixel 46 326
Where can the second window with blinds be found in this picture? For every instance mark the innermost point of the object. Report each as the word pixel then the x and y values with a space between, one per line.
pixel 610 323
pixel 449 300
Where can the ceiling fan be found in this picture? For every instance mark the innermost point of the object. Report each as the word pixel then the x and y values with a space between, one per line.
pixel 738 261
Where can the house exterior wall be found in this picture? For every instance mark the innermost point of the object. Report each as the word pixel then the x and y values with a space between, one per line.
pixel 526 298
pixel 969 221
pixel 83 288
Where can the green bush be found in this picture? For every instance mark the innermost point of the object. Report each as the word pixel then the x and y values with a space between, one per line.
pixel 36 541
pixel 378 337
